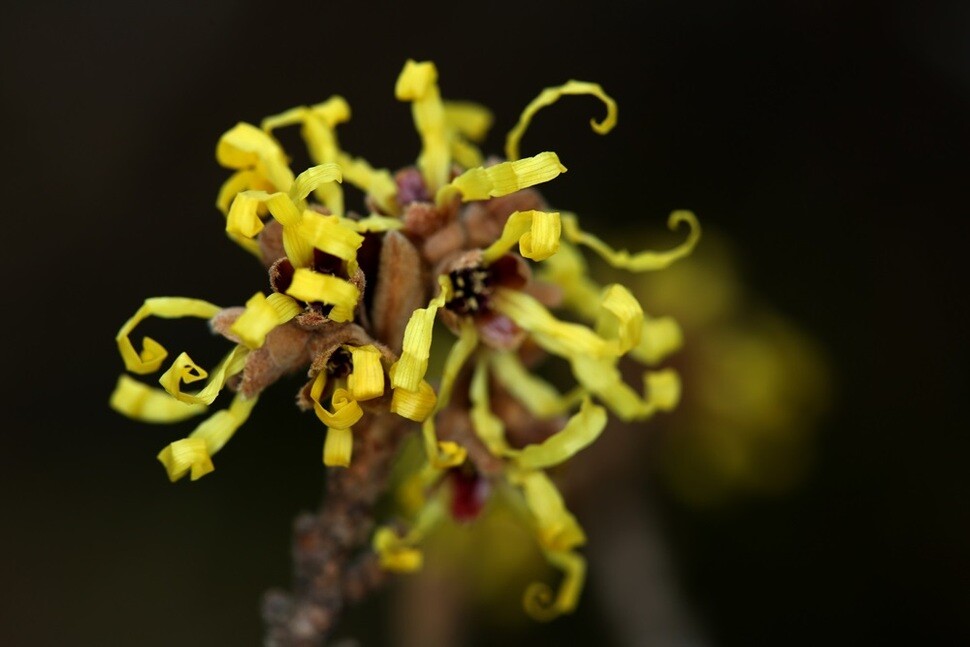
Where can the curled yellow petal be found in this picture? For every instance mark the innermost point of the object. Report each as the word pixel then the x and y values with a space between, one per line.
pixel 261 316
pixel 394 555
pixel 185 371
pixel 561 338
pixel 471 120
pixel 243 217
pixel 550 96
pixel 237 183
pixel 377 183
pixel 338 448
pixel 142 402
pixel 414 405
pixel 150 358
pixel 660 337
pixel 312 178
pixel 488 427
pixel 366 381
pixel 537 233
pixel 195 452
pixel 331 234
pixel 418 83
pixel 442 454
pixel 642 261
pixel 620 317
pixel 539 600
pixel 373 223
pixel 312 286
pixel 602 378
pixel 409 370
pixel 556 528
pixel 482 183
pixel 246 147
pixel 584 427
pixel 346 412
pixel 538 396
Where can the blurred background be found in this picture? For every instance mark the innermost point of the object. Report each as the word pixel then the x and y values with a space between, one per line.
pixel 812 488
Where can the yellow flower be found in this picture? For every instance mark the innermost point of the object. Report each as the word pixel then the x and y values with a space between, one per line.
pixel 455 240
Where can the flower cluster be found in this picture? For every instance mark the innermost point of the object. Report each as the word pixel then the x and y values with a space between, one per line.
pixel 362 304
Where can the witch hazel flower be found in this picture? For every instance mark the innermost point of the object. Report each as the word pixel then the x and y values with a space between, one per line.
pixel 458 257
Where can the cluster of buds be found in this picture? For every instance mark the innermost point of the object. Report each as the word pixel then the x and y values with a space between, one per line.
pixel 361 304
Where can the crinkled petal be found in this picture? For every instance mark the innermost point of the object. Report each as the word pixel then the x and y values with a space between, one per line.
pixel 185 371
pixel 642 261
pixel 243 217
pixel 331 234
pixel 538 396
pixel 311 286
pixel 471 120
pixel 409 370
pixel 195 452
pixel 537 233
pixel 602 378
pixel 414 405
pixel 262 315
pixel 584 427
pixel 550 96
pixel 418 83
pixel 366 381
pixel 620 317
pixel 374 223
pixel 338 448
pixel 247 147
pixel 237 183
pixel 346 412
pixel 147 404
pixel 312 178
pixel 539 600
pixel 488 427
pixel 482 183
pixel 377 183
pixel 556 528
pixel 150 358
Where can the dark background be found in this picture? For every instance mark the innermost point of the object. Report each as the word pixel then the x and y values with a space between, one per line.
pixel 827 139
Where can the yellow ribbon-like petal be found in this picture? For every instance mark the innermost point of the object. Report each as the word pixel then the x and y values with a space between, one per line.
pixel 237 183
pixel 414 405
pixel 246 147
pixel 537 233
pixel 312 178
pixel 338 448
pixel 346 412
pixel 556 528
pixel 488 427
pixel 195 452
pixel 377 183
pixel 400 554
pixel 331 234
pixel 539 600
pixel 579 432
pixel 184 370
pixel 366 381
pixel 147 404
pixel 538 396
pixel 153 354
pixel 550 96
pixel 482 183
pixel 471 120
pixel 620 317
pixel 311 286
pixel 261 316
pixel 602 378
pixel 409 370
pixel 642 261
pixel 373 223
pixel 418 83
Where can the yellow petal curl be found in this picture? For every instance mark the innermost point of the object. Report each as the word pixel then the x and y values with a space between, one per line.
pixel 538 396
pixel 346 412
pixel 338 448
pixel 311 286
pixel 409 370
pixel 418 83
pixel 195 452
pixel 539 600
pixel 645 261
pixel 399 554
pixel 184 370
pixel 537 233
pixel 561 338
pixel 659 336
pixel 484 182
pixel 445 454
pixel 332 235
pixel 580 431
pixel 366 381
pixel 153 354
pixel 556 528
pixel 602 378
pixel 147 404
pixel 414 405
pixel 550 96
pixel 246 147
pixel 261 316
